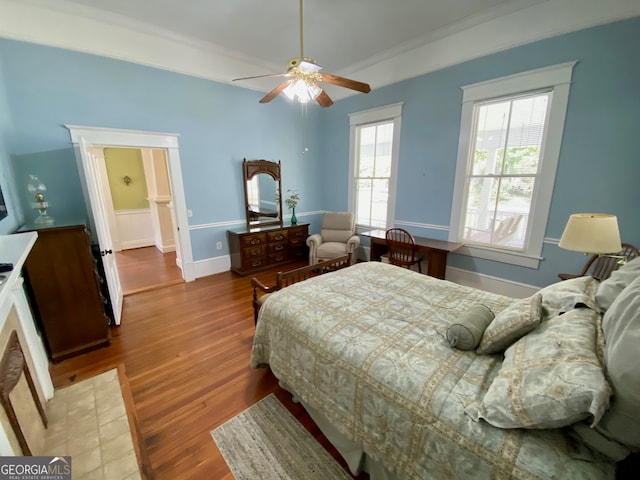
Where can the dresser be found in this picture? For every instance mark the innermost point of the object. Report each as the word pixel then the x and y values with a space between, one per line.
pixel 259 249
pixel 64 288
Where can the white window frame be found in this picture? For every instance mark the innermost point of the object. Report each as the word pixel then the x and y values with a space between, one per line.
pixel 558 79
pixel 391 113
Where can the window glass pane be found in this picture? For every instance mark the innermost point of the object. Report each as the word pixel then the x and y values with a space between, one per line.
pixel 526 129
pixel 498 211
pixel 379 198
pixel 383 150
pixel 512 214
pixel 480 212
pixel 492 121
pixel 363 202
pixel 366 151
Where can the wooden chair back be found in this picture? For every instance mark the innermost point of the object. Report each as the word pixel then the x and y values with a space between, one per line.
pixel 284 279
pixel 403 250
pixel 602 266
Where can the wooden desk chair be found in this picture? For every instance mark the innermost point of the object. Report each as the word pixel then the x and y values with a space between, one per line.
pixel 403 250
pixel 603 266
pixel 284 279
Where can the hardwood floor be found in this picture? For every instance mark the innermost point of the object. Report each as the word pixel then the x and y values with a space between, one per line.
pixel 185 350
pixel 142 269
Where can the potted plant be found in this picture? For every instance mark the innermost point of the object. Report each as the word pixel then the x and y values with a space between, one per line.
pixel 292 201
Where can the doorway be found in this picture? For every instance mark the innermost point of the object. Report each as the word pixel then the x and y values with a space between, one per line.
pixel 84 140
pixel 138 203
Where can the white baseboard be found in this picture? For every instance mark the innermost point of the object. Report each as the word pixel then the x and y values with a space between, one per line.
pixel 488 283
pixel 137 244
pixel 166 248
pixel 211 266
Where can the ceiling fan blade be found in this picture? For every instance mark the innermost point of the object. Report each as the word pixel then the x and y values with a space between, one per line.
pixel 262 76
pixel 345 82
pixel 324 100
pixel 274 93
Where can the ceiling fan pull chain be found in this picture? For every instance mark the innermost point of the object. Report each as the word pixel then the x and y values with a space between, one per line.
pixel 301 33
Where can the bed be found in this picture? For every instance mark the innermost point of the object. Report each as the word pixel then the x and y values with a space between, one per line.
pixel 368 352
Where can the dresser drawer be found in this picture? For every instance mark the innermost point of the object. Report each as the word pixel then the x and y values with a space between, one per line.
pixel 277 247
pixel 277 236
pixel 254 263
pixel 252 252
pixel 253 240
pixel 279 257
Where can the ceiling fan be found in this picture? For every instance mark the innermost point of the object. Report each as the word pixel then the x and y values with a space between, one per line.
pixel 304 80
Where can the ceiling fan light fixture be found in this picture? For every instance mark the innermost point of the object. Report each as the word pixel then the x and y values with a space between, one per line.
pixel 304 64
pixel 302 91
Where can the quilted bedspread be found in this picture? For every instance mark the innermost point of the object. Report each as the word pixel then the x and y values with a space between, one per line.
pixel 366 346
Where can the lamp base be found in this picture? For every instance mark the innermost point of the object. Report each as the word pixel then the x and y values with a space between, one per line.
pixel 44 220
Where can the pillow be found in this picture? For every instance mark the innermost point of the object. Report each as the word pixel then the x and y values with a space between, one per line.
pixel 510 324
pixel 610 288
pixel 595 441
pixel 466 333
pixel 563 296
pixel 550 378
pixel 621 326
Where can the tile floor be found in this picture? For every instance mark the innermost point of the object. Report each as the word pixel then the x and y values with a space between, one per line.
pixel 88 421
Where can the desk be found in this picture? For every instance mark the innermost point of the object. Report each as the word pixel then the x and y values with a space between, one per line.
pixel 436 251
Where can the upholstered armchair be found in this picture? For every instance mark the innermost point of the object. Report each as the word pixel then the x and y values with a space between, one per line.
pixel 336 238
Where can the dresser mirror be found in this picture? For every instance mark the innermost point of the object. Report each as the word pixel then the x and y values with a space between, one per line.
pixel 263 204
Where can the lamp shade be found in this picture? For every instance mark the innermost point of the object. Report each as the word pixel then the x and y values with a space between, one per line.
pixel 591 233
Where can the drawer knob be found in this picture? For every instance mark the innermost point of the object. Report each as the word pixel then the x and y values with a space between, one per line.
pixel 279 237
pixel 255 241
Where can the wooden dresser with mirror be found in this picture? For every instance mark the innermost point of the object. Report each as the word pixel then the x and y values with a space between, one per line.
pixel 265 241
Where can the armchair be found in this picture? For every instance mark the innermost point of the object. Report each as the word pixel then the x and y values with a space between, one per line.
pixel 337 238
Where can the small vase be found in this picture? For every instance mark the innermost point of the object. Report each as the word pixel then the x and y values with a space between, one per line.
pixel 294 220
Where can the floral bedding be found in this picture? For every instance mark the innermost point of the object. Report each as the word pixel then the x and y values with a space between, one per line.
pixel 367 347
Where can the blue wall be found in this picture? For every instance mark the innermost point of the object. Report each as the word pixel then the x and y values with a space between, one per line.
pixel 218 124
pixel 600 157
pixel 43 88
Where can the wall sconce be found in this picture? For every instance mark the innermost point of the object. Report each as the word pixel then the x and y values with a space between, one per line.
pixel 593 233
pixel 127 180
pixel 37 189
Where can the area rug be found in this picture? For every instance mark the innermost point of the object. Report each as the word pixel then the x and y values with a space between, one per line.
pixel 267 442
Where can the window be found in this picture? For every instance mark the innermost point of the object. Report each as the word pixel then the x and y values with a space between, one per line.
pixel 253 192
pixel 373 165
pixel 510 135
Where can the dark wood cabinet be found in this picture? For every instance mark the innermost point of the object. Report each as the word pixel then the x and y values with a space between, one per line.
pixel 258 249
pixel 64 287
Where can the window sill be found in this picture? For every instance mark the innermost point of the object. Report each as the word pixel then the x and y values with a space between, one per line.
pixel 513 258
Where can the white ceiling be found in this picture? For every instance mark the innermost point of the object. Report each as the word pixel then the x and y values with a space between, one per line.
pixel 342 35
pixel 375 41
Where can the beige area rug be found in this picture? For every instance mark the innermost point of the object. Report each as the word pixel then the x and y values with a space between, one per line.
pixel 267 442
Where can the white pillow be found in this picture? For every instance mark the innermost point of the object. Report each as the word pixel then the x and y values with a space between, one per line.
pixel 621 326
pixel 609 289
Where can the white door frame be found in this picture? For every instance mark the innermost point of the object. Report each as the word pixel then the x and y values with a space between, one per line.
pixel 113 137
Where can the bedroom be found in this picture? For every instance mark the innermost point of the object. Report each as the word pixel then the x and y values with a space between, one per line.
pixel 42 88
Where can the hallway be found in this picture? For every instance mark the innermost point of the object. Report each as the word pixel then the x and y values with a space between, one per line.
pixel 142 269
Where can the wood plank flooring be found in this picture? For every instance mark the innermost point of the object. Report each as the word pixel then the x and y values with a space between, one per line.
pixel 185 349
pixel 146 268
